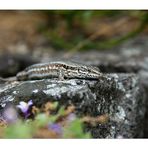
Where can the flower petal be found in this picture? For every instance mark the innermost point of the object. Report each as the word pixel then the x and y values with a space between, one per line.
pixel 30 102
pixel 56 128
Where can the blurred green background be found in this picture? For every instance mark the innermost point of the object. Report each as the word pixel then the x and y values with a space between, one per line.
pixel 70 29
pixel 82 30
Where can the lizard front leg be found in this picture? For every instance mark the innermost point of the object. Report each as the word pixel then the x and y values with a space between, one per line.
pixel 61 75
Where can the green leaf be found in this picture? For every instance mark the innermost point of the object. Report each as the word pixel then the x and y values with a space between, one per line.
pixel 55 104
pixel 75 130
pixel 61 112
pixel 18 130
pixel 41 120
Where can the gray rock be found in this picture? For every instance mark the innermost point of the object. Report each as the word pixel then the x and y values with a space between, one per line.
pixel 13 63
pixel 121 96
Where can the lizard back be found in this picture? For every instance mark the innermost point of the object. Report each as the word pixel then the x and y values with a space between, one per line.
pixel 65 69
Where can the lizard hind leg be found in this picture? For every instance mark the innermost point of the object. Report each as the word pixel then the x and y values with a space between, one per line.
pixel 61 75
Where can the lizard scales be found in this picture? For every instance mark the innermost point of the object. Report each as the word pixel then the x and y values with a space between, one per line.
pixel 59 69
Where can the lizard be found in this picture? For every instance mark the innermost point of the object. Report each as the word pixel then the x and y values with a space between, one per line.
pixel 60 70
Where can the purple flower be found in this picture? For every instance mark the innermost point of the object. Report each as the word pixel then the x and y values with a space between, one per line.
pixel 55 127
pixel 24 107
pixel 10 114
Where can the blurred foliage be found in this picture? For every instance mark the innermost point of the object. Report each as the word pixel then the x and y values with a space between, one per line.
pixel 18 130
pixel 66 29
pixel 83 16
pixel 46 125
pixel 75 130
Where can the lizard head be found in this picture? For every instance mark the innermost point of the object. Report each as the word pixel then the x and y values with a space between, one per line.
pixel 83 72
pixel 89 72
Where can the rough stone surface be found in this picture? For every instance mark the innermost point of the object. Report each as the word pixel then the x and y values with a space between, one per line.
pixel 118 95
